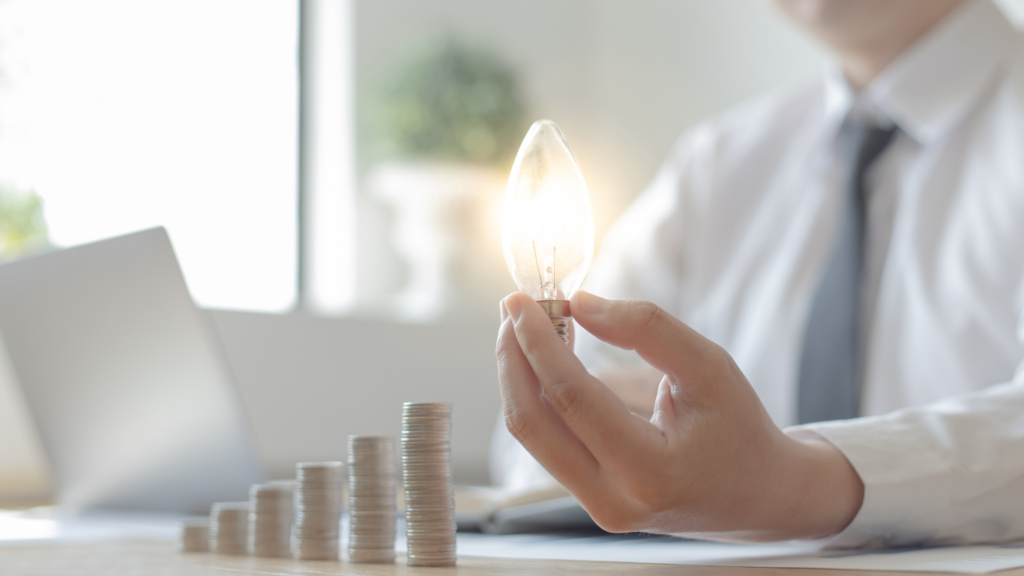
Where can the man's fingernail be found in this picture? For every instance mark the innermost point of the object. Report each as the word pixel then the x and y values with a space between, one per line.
pixel 513 308
pixel 503 310
pixel 594 304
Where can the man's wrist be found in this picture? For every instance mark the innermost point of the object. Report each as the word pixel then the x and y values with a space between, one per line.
pixel 810 491
pixel 831 491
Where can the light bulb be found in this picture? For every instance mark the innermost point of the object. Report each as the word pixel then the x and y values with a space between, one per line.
pixel 547 231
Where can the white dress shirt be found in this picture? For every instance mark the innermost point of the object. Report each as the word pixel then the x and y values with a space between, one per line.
pixel 733 233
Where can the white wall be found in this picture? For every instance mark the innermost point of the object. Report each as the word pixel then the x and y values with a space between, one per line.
pixel 623 79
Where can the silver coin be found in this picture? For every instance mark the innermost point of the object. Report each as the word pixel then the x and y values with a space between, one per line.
pixel 385 556
pixel 376 520
pixel 316 530
pixel 194 536
pixel 372 541
pixel 426 472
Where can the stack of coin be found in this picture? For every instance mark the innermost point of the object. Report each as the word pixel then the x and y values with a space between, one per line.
pixel 316 532
pixel 270 519
pixel 371 499
pixel 229 522
pixel 194 535
pixel 429 497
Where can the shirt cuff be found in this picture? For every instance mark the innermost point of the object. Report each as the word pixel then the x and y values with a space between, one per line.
pixel 906 479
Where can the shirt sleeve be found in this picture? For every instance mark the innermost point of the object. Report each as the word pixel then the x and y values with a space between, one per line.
pixel 950 472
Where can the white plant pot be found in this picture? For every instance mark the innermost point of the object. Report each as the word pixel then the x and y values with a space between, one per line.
pixel 436 211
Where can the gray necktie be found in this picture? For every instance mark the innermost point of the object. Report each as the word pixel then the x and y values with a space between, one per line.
pixel 829 366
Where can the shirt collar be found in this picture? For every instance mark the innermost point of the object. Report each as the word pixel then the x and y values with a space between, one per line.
pixel 934 82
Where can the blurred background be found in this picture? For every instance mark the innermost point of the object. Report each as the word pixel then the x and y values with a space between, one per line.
pixel 330 173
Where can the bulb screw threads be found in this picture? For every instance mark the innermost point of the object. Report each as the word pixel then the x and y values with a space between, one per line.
pixel 559 312
pixel 562 328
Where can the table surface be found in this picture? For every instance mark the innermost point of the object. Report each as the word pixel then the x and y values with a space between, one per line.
pixel 128 558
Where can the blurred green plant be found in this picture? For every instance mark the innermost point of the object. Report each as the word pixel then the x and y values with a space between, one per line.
pixel 446 100
pixel 22 226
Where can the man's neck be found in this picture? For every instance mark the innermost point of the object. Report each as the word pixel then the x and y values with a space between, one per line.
pixel 863 63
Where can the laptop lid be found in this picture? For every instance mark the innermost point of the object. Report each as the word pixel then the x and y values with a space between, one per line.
pixel 129 390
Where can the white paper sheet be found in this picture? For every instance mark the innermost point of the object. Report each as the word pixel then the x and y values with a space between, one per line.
pixel 957 559
pixel 666 550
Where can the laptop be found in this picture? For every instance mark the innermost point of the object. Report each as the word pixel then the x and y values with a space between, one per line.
pixel 129 390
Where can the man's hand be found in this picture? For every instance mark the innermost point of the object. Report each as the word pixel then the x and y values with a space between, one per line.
pixel 709 463
pixel 636 386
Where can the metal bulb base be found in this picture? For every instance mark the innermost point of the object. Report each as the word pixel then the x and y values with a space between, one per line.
pixel 559 312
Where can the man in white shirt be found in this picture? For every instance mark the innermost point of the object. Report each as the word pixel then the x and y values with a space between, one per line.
pixel 739 236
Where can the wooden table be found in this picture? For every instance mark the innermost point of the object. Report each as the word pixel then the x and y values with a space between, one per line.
pixel 130 558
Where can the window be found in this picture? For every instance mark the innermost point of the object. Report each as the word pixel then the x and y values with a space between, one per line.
pixel 124 115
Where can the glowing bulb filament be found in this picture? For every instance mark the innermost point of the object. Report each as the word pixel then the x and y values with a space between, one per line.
pixel 536 261
pixel 548 277
pixel 548 287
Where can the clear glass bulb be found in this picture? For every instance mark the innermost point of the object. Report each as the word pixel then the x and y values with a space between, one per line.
pixel 547 226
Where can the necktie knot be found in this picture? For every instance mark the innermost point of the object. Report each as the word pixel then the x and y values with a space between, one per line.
pixel 868 143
